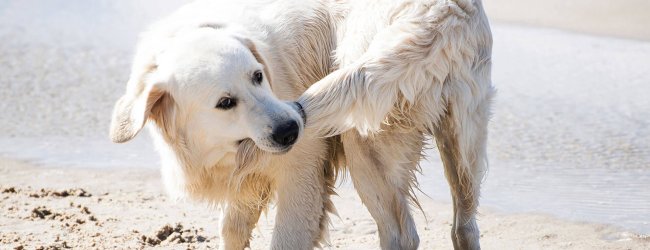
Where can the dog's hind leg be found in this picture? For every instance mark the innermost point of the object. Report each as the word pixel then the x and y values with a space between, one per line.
pixel 461 137
pixel 382 168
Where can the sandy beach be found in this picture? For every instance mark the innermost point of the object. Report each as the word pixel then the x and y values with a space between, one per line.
pixel 569 143
pixel 80 208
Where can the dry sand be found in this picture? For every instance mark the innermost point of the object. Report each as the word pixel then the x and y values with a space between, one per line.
pixel 52 208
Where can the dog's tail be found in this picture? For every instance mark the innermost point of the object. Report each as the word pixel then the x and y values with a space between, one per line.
pixel 407 60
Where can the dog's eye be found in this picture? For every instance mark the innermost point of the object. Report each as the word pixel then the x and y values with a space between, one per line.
pixel 226 103
pixel 258 77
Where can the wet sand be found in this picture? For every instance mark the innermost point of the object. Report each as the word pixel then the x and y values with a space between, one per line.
pixel 96 209
pixel 624 18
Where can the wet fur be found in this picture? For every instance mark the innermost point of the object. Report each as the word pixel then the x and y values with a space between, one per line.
pixel 406 70
pixel 243 183
pixel 379 76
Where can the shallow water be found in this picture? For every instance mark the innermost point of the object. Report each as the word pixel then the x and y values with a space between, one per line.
pixel 569 136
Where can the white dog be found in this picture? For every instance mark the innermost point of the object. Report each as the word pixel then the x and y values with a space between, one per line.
pixel 207 79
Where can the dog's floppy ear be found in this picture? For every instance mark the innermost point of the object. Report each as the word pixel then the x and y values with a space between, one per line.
pixel 134 108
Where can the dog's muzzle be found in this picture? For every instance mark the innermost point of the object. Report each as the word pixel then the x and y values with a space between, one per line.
pixel 300 110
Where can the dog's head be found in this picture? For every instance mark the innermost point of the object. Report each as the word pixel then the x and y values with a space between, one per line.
pixel 209 88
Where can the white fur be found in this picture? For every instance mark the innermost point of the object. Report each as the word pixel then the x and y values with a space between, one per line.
pixel 183 66
pixel 407 69
pixel 394 70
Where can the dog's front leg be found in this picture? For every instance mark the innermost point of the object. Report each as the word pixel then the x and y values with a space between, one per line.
pixel 239 221
pixel 300 208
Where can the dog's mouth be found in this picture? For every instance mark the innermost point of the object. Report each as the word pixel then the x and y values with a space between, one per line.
pixel 249 143
pixel 282 150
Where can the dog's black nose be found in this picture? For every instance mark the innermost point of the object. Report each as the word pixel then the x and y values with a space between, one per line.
pixel 286 134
